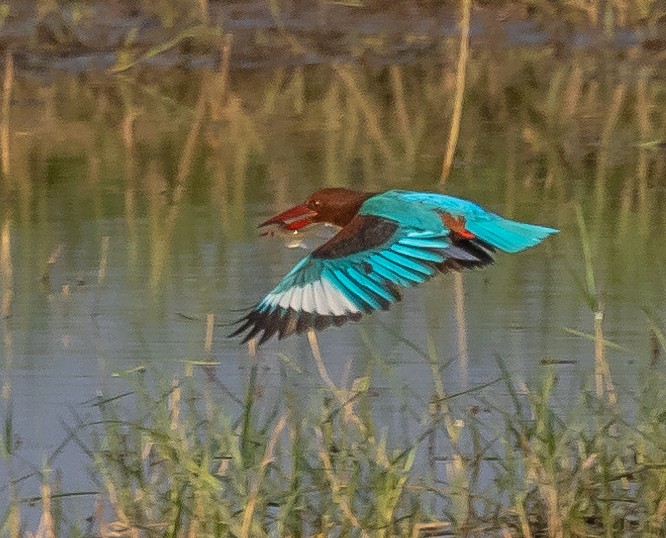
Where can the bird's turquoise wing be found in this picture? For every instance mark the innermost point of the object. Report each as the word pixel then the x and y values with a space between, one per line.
pixel 358 271
pixel 504 234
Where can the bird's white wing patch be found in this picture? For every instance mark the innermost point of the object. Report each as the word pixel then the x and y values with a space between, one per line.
pixel 308 301
pixel 337 301
pixel 319 295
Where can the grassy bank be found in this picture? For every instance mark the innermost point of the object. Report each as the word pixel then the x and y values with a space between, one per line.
pixel 181 458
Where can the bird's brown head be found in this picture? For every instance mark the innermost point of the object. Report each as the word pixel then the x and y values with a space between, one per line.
pixel 333 205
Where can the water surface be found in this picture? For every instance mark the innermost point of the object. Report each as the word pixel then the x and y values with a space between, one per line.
pixel 130 212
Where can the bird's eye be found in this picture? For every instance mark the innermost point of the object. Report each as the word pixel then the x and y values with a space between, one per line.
pixel 316 203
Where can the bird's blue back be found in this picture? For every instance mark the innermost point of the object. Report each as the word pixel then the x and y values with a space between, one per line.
pixel 424 209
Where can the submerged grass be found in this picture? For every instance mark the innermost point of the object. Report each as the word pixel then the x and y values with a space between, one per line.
pixel 173 463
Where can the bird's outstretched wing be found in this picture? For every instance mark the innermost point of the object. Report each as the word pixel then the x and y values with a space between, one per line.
pixel 359 270
pixel 504 234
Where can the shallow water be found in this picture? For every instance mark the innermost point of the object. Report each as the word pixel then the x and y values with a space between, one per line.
pixel 175 175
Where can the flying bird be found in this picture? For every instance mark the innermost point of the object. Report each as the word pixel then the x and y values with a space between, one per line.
pixel 387 241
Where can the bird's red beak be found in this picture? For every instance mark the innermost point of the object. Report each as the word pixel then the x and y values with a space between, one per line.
pixel 293 219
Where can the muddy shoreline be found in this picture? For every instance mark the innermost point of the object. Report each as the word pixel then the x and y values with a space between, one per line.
pixel 114 37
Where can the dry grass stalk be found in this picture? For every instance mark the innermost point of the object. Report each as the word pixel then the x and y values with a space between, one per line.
pixel 604 385
pixel 243 128
pixel 572 94
pixel 461 322
pixel 401 109
pixel 118 529
pixel 252 348
pixel 103 260
pixel 600 360
pixel 336 488
pixel 161 250
pixel 441 404
pixel 522 517
pixel 644 107
pixel 7 86
pixel 316 353
pixel 604 142
pixel 341 395
pixel 53 259
pixel 459 92
pixel 174 404
pixel 434 411
pixel 657 524
pixel 127 128
pixel 185 164
pixel 296 89
pixel 210 328
pixel 221 79
pixel 203 10
pixel 371 115
pixel 547 490
pixel 14 520
pixel 265 462
pixel 433 528
pixel 333 139
pixel 6 270
pixel 210 375
pixel 195 522
pixel 613 114
pixel 441 410
pixel 98 513
pixel 599 354
pixel 46 526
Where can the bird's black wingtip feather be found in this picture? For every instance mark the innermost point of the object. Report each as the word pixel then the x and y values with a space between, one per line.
pixel 286 322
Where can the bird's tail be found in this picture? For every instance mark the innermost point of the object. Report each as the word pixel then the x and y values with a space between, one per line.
pixel 508 235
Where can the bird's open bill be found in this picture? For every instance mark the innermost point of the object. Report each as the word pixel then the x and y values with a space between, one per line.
pixel 293 219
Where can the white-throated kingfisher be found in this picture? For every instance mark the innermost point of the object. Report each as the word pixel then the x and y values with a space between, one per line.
pixel 389 240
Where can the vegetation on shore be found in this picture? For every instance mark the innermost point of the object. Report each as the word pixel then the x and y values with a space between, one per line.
pixel 183 459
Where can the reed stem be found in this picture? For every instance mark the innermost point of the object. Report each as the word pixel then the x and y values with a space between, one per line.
pixel 461 323
pixel 7 86
pixel 6 271
pixel 463 55
pixel 210 328
pixel 103 260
